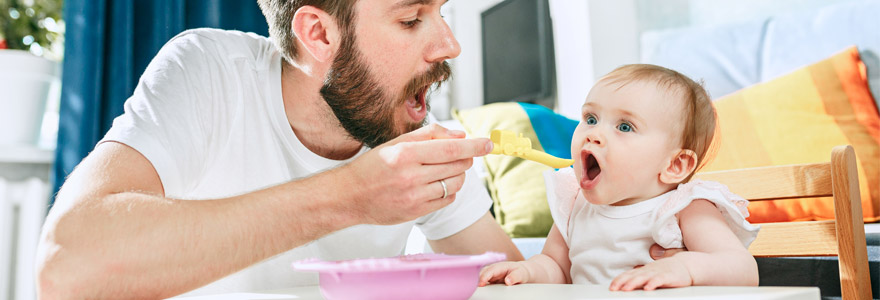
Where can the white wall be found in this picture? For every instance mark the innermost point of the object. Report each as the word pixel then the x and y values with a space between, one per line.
pixel 595 36
pixel 466 89
pixel 574 55
pixel 578 60
pixel 571 30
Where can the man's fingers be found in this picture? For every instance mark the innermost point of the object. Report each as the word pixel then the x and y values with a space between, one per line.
pixel 429 132
pixel 658 252
pixel 447 150
pixel 450 169
pixel 434 190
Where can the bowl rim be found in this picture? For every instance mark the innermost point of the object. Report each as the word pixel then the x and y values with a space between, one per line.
pixel 399 263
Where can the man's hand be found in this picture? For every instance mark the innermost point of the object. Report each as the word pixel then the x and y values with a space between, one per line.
pixel 658 252
pixel 399 181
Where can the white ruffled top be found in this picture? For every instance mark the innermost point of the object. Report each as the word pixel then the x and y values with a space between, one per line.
pixel 606 240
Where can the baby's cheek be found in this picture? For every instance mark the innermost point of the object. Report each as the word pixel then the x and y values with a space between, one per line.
pixel 578 172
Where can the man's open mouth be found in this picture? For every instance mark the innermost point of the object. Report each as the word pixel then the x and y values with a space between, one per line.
pixel 417 104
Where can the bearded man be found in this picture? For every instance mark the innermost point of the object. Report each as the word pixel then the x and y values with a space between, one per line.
pixel 237 155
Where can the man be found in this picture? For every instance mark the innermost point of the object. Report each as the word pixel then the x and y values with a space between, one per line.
pixel 309 147
pixel 280 142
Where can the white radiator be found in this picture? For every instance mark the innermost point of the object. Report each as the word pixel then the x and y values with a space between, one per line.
pixel 23 207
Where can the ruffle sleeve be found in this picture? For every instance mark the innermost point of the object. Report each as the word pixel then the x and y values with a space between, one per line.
pixel 666 231
pixel 562 190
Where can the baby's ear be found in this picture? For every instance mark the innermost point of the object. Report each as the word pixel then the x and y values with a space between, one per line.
pixel 680 166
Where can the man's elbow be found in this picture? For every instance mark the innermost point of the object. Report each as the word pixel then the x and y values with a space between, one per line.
pixel 62 272
pixel 54 279
pixel 50 285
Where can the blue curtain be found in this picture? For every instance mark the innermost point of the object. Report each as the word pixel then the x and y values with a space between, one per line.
pixel 108 44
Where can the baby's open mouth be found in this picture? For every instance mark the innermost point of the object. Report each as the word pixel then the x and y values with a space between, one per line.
pixel 591 167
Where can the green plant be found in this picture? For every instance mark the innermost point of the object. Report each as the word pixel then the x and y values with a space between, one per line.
pixel 32 25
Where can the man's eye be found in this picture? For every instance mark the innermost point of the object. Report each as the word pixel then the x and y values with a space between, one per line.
pixel 591 120
pixel 411 23
pixel 624 127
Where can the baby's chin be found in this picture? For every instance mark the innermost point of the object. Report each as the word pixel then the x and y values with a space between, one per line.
pixel 593 199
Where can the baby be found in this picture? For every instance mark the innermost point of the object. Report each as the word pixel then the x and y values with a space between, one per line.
pixel 644 131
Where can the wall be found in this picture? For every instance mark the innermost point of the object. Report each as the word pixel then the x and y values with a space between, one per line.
pixel 595 36
pixel 466 89
pixel 573 77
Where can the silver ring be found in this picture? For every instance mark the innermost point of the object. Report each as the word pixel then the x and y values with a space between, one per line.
pixel 443 184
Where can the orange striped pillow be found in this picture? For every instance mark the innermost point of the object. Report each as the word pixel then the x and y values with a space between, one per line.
pixel 798 118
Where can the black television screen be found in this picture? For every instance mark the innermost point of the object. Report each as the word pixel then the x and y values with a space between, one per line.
pixel 518 63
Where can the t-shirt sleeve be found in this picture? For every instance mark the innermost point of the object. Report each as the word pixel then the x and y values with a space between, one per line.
pixel 666 230
pixel 169 117
pixel 471 202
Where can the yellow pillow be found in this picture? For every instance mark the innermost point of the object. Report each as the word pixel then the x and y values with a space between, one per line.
pixel 798 118
pixel 517 185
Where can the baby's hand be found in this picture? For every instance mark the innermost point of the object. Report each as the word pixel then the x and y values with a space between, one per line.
pixel 666 272
pixel 508 272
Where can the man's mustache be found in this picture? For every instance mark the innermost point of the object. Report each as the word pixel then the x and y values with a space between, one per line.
pixel 438 73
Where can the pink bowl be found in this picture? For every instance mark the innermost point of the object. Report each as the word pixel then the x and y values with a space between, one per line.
pixel 419 276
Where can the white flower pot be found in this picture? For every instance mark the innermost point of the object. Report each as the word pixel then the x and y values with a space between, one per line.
pixel 25 80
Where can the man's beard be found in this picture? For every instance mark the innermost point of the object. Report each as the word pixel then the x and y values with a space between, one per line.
pixel 365 109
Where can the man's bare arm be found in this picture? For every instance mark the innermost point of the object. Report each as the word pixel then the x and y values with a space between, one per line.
pixel 484 235
pixel 113 234
pixel 113 229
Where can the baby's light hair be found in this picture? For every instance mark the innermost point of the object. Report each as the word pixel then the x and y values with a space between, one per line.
pixel 700 118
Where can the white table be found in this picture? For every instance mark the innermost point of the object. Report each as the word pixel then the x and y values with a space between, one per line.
pixel 568 291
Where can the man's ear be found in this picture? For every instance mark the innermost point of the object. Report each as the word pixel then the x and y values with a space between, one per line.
pixel 680 166
pixel 316 32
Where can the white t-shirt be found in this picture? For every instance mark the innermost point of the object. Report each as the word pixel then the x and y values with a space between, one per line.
pixel 208 114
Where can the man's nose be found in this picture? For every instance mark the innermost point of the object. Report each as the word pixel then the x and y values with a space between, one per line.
pixel 444 45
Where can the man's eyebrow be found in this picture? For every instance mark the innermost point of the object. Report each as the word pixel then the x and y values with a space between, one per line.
pixel 409 3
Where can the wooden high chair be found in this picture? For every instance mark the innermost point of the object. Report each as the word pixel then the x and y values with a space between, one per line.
pixel 843 237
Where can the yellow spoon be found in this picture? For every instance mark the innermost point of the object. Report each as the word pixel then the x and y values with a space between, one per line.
pixel 509 143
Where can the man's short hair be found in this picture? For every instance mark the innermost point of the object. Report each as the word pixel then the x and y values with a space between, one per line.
pixel 279 16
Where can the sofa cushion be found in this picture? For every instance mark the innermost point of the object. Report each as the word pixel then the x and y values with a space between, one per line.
pixel 798 118
pixel 726 57
pixel 733 56
pixel 516 185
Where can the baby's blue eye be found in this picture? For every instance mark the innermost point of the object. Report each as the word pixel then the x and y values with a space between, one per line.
pixel 591 120
pixel 624 127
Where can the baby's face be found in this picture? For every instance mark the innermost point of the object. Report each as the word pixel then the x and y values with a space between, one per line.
pixel 626 136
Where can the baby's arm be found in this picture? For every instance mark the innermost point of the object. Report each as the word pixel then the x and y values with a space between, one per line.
pixel 551 266
pixel 715 256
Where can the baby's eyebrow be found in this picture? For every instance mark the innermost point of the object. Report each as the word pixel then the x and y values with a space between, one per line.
pixel 631 115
